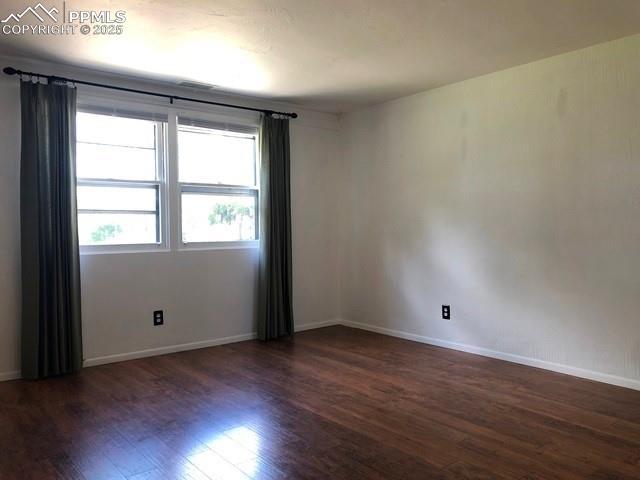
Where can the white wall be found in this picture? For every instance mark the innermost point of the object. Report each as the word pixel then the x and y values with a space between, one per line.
pixel 207 295
pixel 9 227
pixel 513 197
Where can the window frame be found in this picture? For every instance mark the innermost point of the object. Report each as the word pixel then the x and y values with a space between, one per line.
pixel 159 184
pixel 170 199
pixel 220 188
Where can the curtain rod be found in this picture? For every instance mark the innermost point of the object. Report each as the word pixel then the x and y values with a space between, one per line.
pixel 13 71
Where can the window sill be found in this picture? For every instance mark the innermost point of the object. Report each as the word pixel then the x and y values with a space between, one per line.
pixel 185 247
pixel 121 249
pixel 238 245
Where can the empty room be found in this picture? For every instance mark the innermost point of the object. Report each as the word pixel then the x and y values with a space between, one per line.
pixel 320 239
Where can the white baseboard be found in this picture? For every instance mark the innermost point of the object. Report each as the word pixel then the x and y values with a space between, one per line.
pixel 4 376
pixel 152 352
pixel 311 326
pixel 532 362
pixel 509 357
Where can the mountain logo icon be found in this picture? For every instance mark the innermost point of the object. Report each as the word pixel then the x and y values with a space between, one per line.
pixel 39 11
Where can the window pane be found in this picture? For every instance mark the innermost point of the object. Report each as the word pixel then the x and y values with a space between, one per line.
pixel 109 130
pixel 115 162
pixel 214 156
pixel 218 218
pixel 116 229
pixel 116 198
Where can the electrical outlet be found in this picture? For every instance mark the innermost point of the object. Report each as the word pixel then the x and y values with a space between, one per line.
pixel 158 318
pixel 446 312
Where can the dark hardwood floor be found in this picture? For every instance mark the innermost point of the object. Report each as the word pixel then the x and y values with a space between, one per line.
pixel 335 403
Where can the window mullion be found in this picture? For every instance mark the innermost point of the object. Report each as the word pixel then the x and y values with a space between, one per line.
pixel 171 178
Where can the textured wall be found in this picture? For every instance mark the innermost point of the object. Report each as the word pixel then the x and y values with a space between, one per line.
pixel 514 197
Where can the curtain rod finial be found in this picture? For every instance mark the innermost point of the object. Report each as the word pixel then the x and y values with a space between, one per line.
pixel 9 70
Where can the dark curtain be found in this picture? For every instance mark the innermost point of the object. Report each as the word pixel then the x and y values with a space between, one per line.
pixel 275 310
pixel 51 323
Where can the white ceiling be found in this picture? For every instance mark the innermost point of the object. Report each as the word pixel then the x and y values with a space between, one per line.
pixel 329 55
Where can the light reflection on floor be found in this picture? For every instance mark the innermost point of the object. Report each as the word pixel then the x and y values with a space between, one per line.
pixel 231 454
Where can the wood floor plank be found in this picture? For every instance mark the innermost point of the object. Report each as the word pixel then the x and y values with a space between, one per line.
pixel 334 403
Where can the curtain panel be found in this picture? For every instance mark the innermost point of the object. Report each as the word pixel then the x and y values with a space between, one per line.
pixel 275 309
pixel 51 316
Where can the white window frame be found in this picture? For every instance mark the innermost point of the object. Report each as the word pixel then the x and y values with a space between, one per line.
pixel 160 185
pixel 170 208
pixel 223 189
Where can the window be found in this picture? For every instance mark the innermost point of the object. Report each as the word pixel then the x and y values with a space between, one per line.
pixel 120 173
pixel 217 172
pixel 136 170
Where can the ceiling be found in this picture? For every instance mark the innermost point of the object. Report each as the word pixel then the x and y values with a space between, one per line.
pixel 328 55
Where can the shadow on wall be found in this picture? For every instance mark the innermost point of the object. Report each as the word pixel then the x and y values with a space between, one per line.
pixel 520 278
pixel 494 282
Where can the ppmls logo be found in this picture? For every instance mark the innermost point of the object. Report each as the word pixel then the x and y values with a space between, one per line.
pixel 40 20
pixel 39 11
